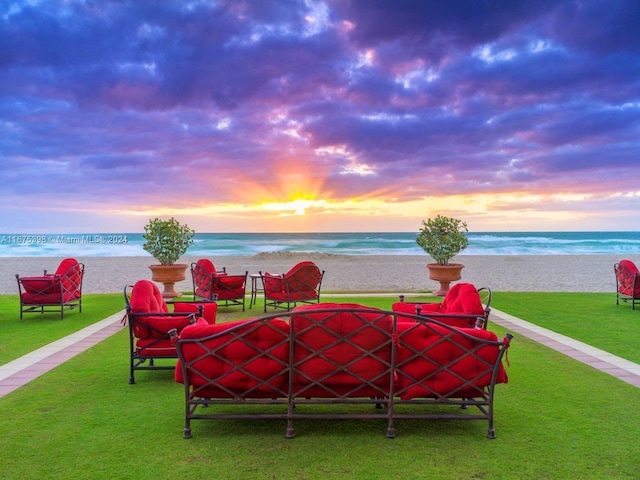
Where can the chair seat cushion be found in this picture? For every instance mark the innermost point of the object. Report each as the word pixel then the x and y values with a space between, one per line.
pixel 43 285
pixel 48 299
pixel 153 347
pixel 230 294
pixel 294 296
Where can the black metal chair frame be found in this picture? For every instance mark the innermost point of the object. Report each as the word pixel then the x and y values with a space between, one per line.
pixel 64 289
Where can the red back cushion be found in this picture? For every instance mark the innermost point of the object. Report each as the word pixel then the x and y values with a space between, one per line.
pixel 65 265
pixel 629 265
pixel 438 361
pixel 626 274
pixel 304 276
pixel 146 298
pixel 324 340
pixel 462 298
pixel 252 351
pixel 202 272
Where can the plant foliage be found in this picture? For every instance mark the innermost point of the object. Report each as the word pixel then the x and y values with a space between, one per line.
pixel 167 240
pixel 443 238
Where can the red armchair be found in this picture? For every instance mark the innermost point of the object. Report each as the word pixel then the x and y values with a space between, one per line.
pixel 301 284
pixel 213 285
pixel 150 323
pixel 464 306
pixel 59 291
pixel 627 282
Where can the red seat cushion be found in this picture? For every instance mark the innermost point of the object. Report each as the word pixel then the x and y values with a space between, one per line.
pixel 39 285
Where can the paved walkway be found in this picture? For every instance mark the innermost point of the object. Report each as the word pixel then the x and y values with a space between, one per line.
pixel 24 369
pixel 30 366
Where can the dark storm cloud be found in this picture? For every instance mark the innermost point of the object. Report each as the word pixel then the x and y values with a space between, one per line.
pixel 486 95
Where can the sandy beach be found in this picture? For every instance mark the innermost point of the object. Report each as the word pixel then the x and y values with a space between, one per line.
pixel 354 273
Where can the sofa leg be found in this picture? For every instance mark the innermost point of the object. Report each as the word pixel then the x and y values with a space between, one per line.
pixel 132 380
pixel 491 433
pixel 187 432
pixel 390 432
pixel 290 433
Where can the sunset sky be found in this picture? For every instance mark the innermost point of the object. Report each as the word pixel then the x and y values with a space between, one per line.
pixel 304 115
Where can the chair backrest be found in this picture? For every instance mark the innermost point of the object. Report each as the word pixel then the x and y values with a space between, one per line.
pixel 302 277
pixel 462 298
pixel 627 278
pixel 71 273
pixel 65 265
pixel 202 274
pixel 147 298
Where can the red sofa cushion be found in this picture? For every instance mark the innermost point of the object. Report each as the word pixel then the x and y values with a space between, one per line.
pixel 340 338
pixel 256 367
pixel 423 350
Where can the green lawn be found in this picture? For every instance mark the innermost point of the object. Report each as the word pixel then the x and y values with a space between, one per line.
pixel 555 419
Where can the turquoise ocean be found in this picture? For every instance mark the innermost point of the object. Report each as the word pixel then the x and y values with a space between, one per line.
pixel 247 244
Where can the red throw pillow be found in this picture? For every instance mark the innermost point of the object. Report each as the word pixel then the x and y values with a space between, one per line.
pixel 210 309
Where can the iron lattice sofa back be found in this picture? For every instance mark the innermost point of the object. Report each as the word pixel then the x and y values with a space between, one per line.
pixel 339 353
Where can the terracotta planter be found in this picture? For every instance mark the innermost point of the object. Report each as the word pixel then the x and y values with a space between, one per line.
pixel 445 274
pixel 168 275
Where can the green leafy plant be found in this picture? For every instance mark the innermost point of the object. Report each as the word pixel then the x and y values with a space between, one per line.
pixel 443 238
pixel 167 240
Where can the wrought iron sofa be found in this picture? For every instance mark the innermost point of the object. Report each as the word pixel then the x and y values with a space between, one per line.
pixel 283 364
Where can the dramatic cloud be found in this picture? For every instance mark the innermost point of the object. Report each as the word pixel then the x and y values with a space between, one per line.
pixel 361 114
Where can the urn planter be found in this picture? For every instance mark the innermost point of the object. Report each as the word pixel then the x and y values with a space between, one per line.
pixel 444 274
pixel 168 275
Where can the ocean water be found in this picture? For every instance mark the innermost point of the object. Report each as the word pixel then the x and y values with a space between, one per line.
pixel 247 244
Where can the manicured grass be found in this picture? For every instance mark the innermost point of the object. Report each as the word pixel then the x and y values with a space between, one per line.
pixel 35 330
pixel 592 318
pixel 555 419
